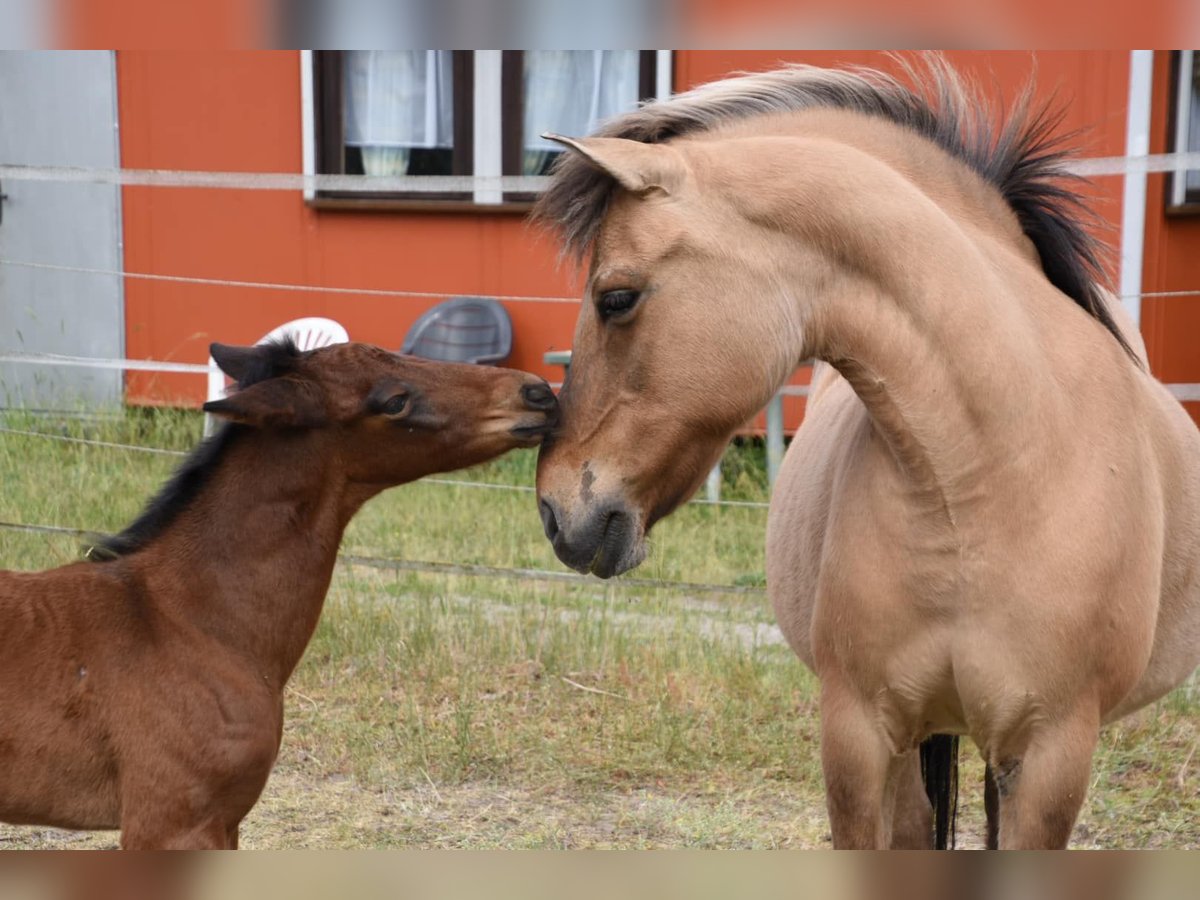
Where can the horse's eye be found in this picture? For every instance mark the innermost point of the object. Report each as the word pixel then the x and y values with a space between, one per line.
pixel 395 405
pixel 615 304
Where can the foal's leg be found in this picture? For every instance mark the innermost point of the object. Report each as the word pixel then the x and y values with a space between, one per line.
pixel 149 836
pixel 912 816
pixel 856 764
pixel 155 823
pixel 1041 791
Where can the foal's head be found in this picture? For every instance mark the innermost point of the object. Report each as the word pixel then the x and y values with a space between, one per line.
pixel 379 418
pixel 396 418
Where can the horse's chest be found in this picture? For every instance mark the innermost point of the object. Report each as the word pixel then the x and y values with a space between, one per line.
pixel 883 553
pixel 891 583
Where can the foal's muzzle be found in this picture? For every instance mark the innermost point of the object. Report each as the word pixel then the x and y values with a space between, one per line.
pixel 537 398
pixel 537 395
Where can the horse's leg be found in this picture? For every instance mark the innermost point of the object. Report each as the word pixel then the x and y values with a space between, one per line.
pixel 231 841
pixel 856 763
pixel 912 816
pixel 1041 791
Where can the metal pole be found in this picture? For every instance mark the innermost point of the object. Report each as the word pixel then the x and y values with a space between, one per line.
pixel 774 438
pixel 712 486
pixel 1133 207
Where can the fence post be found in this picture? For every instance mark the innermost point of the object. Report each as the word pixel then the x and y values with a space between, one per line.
pixel 774 438
pixel 712 485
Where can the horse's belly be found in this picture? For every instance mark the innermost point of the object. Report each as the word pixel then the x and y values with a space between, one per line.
pixel 796 524
pixel 1169 666
pixel 1028 630
pixel 829 557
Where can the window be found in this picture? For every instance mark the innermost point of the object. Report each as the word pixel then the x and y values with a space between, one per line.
pixel 1183 185
pixel 392 112
pixel 440 112
pixel 568 92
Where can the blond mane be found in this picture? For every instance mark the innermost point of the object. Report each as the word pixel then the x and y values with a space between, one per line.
pixel 1021 157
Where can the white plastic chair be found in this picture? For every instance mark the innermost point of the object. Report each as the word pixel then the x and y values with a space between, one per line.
pixel 309 333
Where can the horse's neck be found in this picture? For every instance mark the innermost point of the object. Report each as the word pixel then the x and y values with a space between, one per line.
pixel 249 561
pixel 942 420
pixel 928 316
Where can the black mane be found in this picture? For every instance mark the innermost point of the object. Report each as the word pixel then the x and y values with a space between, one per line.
pixel 193 475
pixel 1023 158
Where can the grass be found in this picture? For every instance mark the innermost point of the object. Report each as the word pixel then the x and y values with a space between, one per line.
pixel 454 711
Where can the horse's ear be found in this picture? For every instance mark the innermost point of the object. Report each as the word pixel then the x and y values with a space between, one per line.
pixel 637 167
pixel 287 402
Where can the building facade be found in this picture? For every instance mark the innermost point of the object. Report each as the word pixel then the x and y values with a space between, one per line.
pixel 480 113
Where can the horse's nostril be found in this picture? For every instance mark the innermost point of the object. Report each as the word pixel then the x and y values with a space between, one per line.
pixel 549 520
pixel 538 396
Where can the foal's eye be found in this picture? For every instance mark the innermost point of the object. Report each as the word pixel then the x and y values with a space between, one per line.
pixel 615 304
pixel 395 405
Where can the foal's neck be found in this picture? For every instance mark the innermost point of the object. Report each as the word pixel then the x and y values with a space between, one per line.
pixel 250 559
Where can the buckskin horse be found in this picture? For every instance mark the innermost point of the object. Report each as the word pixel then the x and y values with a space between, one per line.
pixel 144 690
pixel 988 524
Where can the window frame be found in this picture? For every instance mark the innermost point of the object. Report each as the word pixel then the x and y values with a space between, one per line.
pixel 512 106
pixel 322 96
pixel 1179 200
pixel 329 139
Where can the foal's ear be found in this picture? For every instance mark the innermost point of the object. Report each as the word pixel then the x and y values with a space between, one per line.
pixel 287 402
pixel 637 167
pixel 236 362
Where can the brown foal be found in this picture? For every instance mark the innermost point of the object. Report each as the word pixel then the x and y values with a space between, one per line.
pixel 144 690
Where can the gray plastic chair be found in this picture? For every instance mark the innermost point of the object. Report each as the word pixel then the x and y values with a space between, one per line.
pixel 465 329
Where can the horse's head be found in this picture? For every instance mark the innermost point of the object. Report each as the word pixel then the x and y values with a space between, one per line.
pixel 669 357
pixel 391 418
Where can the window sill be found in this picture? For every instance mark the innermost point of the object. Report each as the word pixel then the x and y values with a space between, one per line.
pixel 411 205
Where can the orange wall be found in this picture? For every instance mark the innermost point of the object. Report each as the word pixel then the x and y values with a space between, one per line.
pixel 103 24
pixel 240 111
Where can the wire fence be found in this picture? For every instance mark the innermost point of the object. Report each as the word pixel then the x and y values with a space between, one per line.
pixel 1087 167
pixel 1093 167
pixel 450 482
pixel 1090 167
pixel 463 569
pixel 278 285
pixel 277 181
pixel 379 292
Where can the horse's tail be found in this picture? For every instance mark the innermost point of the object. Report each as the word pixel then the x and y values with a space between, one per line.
pixel 939 771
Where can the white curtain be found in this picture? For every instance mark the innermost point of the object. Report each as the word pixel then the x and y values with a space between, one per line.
pixel 396 100
pixel 571 92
